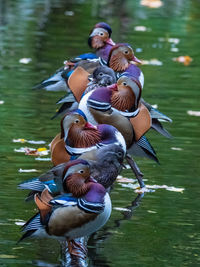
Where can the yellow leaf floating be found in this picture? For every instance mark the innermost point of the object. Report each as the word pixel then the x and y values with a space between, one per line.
pixel 40 149
pixel 185 60
pixel 20 140
pixel 151 3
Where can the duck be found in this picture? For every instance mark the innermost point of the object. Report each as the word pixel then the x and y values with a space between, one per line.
pixel 98 38
pixel 71 215
pixel 79 136
pixel 102 76
pixel 122 60
pixel 105 165
pixel 123 98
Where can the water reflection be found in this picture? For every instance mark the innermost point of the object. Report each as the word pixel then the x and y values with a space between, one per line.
pixel 95 257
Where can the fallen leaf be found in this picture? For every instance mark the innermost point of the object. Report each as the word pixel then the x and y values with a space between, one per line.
pixel 20 222
pixel 29 170
pixel 153 61
pixel 185 60
pixel 140 28
pixel 121 209
pixel 69 13
pixel 121 179
pixel 150 188
pixel 5 256
pixel 25 60
pixel 176 148
pixel 173 40
pixel 151 3
pixel 174 49
pixel 20 140
pixel 42 151
pixel 23 149
pixel 151 211
pixel 193 113
pixel 43 159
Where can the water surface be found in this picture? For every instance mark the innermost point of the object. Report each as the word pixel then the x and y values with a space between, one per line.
pixel 160 229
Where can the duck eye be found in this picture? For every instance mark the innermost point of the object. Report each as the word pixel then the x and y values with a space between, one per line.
pixel 76 121
pixel 124 83
pixel 101 33
pixel 81 171
pixel 126 52
pixel 101 74
pixel 120 154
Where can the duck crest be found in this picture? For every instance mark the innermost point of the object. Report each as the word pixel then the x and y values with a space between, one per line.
pixel 105 26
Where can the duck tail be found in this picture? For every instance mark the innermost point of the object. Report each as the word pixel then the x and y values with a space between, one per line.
pixel 157 126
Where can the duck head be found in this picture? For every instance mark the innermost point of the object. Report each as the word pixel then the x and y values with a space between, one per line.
pixel 100 36
pixel 76 177
pixel 77 131
pixel 104 76
pixel 121 56
pixel 126 94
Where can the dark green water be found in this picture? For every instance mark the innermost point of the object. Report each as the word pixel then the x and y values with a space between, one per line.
pixel 163 228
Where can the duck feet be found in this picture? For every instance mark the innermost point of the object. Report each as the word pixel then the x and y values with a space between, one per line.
pixel 138 174
pixel 77 249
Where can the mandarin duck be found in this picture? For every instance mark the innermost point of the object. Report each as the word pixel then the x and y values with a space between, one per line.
pixel 79 136
pixel 99 40
pixel 125 96
pixel 122 59
pixel 105 165
pixel 68 216
pixel 102 76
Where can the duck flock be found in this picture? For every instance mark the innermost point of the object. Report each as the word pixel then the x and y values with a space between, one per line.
pixel 104 121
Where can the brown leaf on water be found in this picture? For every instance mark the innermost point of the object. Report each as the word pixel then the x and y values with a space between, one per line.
pixel 185 60
pixel 36 152
pixel 151 3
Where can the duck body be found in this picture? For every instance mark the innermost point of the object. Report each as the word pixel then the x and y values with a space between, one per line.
pixel 79 136
pixel 68 217
pixel 98 108
pixel 105 165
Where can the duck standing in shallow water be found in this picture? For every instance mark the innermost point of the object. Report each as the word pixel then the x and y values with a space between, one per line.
pixel 105 165
pixel 74 215
pixel 79 136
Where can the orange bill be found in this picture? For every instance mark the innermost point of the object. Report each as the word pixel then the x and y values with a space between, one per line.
pixel 78 81
pixel 142 122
